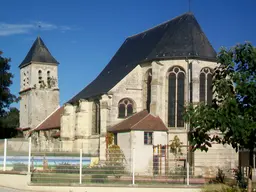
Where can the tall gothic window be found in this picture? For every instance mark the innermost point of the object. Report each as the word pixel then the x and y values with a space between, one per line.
pixel 125 108
pixel 96 118
pixel 205 91
pixel 176 97
pixel 147 89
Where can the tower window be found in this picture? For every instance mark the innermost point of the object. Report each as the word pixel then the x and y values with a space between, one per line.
pixel 205 91
pixel 125 108
pixel 48 78
pixel 39 76
pixel 176 97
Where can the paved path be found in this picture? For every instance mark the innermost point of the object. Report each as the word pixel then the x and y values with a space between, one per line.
pixel 3 189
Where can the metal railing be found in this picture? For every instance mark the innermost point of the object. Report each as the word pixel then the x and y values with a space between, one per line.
pixel 119 166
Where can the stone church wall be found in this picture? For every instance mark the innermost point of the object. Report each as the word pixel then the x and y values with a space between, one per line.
pixel 76 122
pixel 76 129
pixel 43 141
pixel 218 156
pixel 129 87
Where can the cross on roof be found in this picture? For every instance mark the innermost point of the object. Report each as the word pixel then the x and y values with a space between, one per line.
pixel 189 5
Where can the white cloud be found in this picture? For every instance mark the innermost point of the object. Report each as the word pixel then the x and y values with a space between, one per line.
pixel 7 29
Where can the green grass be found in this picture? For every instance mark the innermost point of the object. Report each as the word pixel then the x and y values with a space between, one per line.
pixel 65 178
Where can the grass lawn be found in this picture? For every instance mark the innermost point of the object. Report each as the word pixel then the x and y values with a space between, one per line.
pixel 72 178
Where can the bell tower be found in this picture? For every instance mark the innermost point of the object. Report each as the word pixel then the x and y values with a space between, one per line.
pixel 39 90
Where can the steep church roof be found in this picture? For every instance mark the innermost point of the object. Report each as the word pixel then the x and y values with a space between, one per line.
pixel 179 38
pixel 38 53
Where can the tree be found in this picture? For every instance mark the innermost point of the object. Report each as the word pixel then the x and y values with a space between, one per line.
pixel 9 122
pixel 175 148
pixel 6 97
pixel 231 117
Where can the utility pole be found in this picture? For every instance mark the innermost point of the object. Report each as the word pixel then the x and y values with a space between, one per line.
pixel 188 123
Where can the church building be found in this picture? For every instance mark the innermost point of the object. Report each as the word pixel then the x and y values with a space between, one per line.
pixel 139 96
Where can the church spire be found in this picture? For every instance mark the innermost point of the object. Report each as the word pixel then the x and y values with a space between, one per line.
pixel 38 53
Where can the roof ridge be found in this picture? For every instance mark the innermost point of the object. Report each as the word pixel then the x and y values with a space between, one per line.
pixel 173 32
pixel 205 37
pixel 165 22
pixel 140 121
pixel 128 118
pixel 46 118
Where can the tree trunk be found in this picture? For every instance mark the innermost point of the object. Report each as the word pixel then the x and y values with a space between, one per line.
pixel 249 186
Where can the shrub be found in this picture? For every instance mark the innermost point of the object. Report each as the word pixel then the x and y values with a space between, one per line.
pixel 117 169
pixel 98 177
pixel 179 172
pixel 220 177
pixel 220 188
pixel 66 168
pixel 240 179
pixel 19 167
pixel 98 174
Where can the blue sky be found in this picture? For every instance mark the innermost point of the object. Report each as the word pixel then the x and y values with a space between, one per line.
pixel 84 35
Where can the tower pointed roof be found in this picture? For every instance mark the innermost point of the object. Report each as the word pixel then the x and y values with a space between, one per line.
pixel 38 53
pixel 178 38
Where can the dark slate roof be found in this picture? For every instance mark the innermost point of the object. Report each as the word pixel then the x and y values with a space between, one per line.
pixel 179 38
pixel 38 53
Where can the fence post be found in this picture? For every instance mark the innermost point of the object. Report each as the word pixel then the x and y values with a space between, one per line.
pixel 29 154
pixel 133 166
pixel 5 152
pixel 81 164
pixel 187 173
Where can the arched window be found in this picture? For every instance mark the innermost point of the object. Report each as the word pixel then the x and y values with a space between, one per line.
pixel 39 76
pixel 129 109
pixel 125 108
pixel 205 90
pixel 147 89
pixel 176 97
pixel 96 118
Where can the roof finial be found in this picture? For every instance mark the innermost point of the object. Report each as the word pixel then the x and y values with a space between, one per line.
pixel 189 5
pixel 39 28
